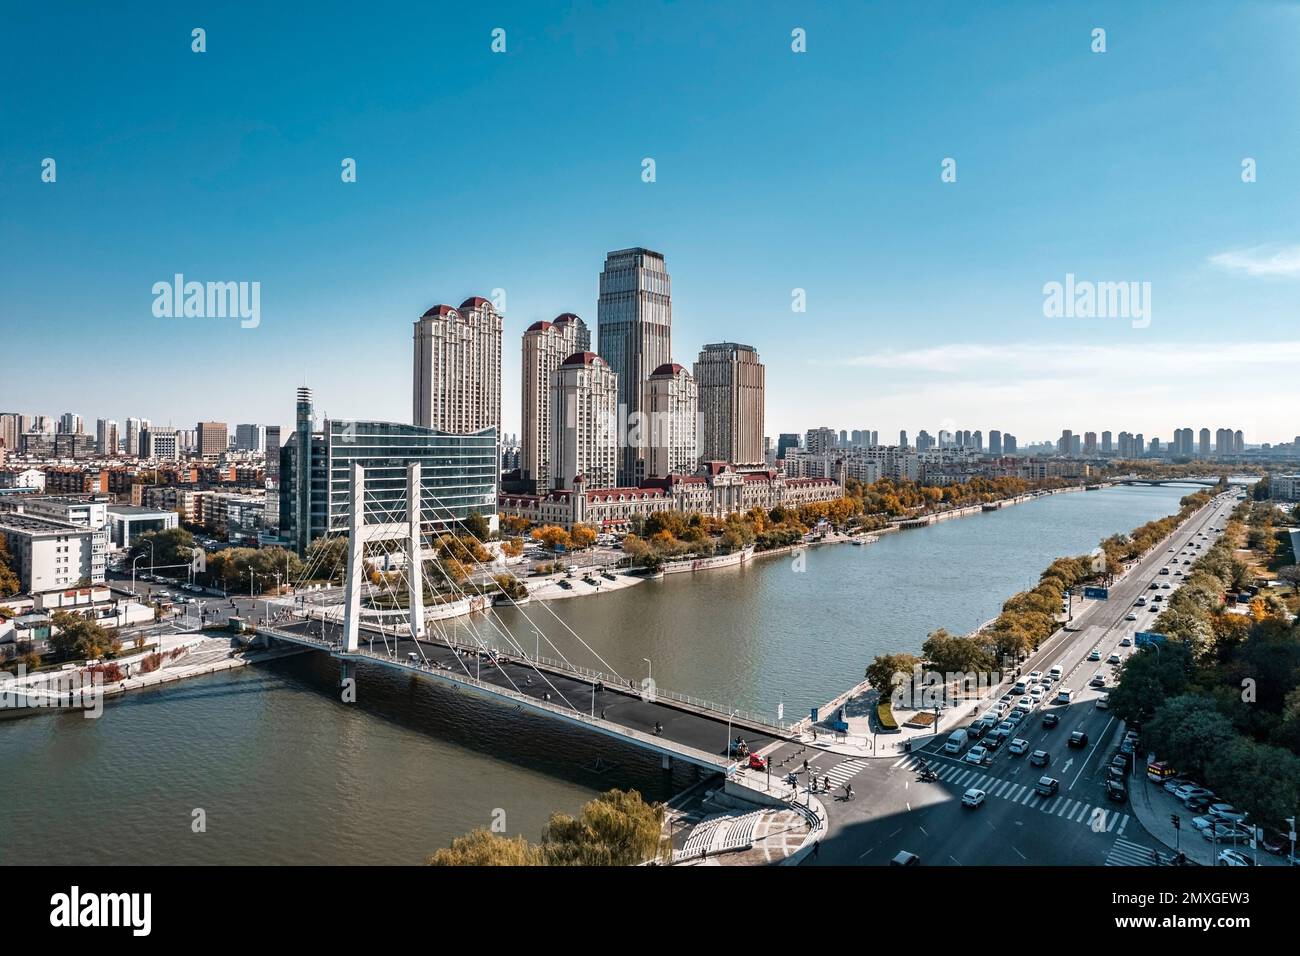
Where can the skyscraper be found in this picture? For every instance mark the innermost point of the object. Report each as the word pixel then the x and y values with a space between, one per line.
pixel 731 382
pixel 1107 445
pixel 250 437
pixel 995 443
pixel 1204 449
pixel 70 423
pixel 106 436
pixel 214 439
pixel 674 422
pixel 902 438
pixel 584 439
pixel 456 375
pixel 546 345
pixel 634 317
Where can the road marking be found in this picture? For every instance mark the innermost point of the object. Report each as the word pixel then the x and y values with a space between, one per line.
pixel 1019 854
pixel 923 830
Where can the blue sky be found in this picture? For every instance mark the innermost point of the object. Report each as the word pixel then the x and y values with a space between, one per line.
pixel 775 171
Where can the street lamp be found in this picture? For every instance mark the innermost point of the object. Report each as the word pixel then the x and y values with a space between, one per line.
pixel 650 671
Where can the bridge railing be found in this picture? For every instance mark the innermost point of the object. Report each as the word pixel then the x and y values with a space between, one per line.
pixel 722 764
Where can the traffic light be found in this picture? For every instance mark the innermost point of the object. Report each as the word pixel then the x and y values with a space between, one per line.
pixel 1176 821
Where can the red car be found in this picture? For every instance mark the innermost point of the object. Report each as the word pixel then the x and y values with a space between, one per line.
pixel 757 763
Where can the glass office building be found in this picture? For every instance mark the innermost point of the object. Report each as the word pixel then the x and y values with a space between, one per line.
pixel 458 476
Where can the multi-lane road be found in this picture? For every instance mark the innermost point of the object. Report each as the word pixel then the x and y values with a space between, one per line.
pixel 893 810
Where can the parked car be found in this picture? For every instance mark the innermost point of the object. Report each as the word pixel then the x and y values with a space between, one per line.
pixel 1192 790
pixel 1234 858
pixel 1226 811
pixel 1116 792
pixel 1172 784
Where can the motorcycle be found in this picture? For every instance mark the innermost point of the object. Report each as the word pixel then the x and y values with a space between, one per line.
pixel 928 775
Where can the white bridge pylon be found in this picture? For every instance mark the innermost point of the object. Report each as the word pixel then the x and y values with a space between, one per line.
pixel 360 534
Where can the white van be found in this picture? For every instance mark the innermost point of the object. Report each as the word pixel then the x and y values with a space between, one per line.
pixel 1057 672
pixel 1064 695
pixel 956 741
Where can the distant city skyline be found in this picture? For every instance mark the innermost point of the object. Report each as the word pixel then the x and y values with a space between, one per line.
pixel 923 300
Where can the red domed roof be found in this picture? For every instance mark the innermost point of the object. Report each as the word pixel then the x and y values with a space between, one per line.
pixel 669 368
pixel 538 327
pixel 440 311
pixel 567 317
pixel 474 302
pixel 584 358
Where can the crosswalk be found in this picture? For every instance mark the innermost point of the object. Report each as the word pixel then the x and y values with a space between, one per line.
pixel 842 773
pixel 1099 819
pixel 1125 853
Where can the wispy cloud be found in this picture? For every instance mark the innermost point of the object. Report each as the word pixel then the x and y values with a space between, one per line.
pixel 1281 261
pixel 997 361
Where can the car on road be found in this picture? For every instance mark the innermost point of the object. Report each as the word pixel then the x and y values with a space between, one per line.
pixel 1116 792
pixel 1188 790
pixel 1051 719
pixel 1047 786
pixel 1006 727
pixel 1127 641
pixel 1164 570
pixel 978 729
pixel 1019 714
pixel 1094 655
pixel 1153 609
pixel 1064 695
pixel 1035 676
pixel 1018 747
pixel 1234 858
pixel 1098 680
pixel 975 755
pixel 1166 587
pixel 1103 702
pixel 1226 811
pixel 903 858
pixel 1026 702
pixel 1114 659
pixel 972 797
pixel 993 741
pixel 1036 695
pixel 1130 616
pixel 1198 804
pixel 1172 784
pixel 1040 758
pixel 757 763
pixel 1078 738
pixel 1155 586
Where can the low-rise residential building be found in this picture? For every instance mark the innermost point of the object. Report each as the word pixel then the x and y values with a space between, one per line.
pixel 51 555
pixel 1284 487
pixel 128 522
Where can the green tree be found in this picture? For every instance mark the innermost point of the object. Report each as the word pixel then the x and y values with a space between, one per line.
pixel 476 526
pixel 9 583
pixel 73 636
pixel 484 848
pixel 880 672
pixel 617 828
pixel 1188 731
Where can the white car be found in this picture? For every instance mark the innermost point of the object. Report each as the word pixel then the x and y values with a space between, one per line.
pixel 1234 858
pixel 1026 702
pixel 1018 746
pixel 1127 641
pixel 1035 676
pixel 1130 617
pixel 1113 659
pixel 975 755
pixel 973 797
pixel 1036 695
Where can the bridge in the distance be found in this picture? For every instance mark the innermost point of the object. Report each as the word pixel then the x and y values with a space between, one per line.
pixel 1208 481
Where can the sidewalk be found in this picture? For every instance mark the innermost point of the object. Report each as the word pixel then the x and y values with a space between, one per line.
pixel 1155 808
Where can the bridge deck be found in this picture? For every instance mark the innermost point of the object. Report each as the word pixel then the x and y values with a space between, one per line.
pixel 696 737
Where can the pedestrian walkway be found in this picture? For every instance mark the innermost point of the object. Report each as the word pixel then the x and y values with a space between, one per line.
pixel 1099 819
pixel 1125 853
pixel 842 773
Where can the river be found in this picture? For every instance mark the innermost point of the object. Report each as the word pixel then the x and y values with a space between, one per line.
pixel 279 771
